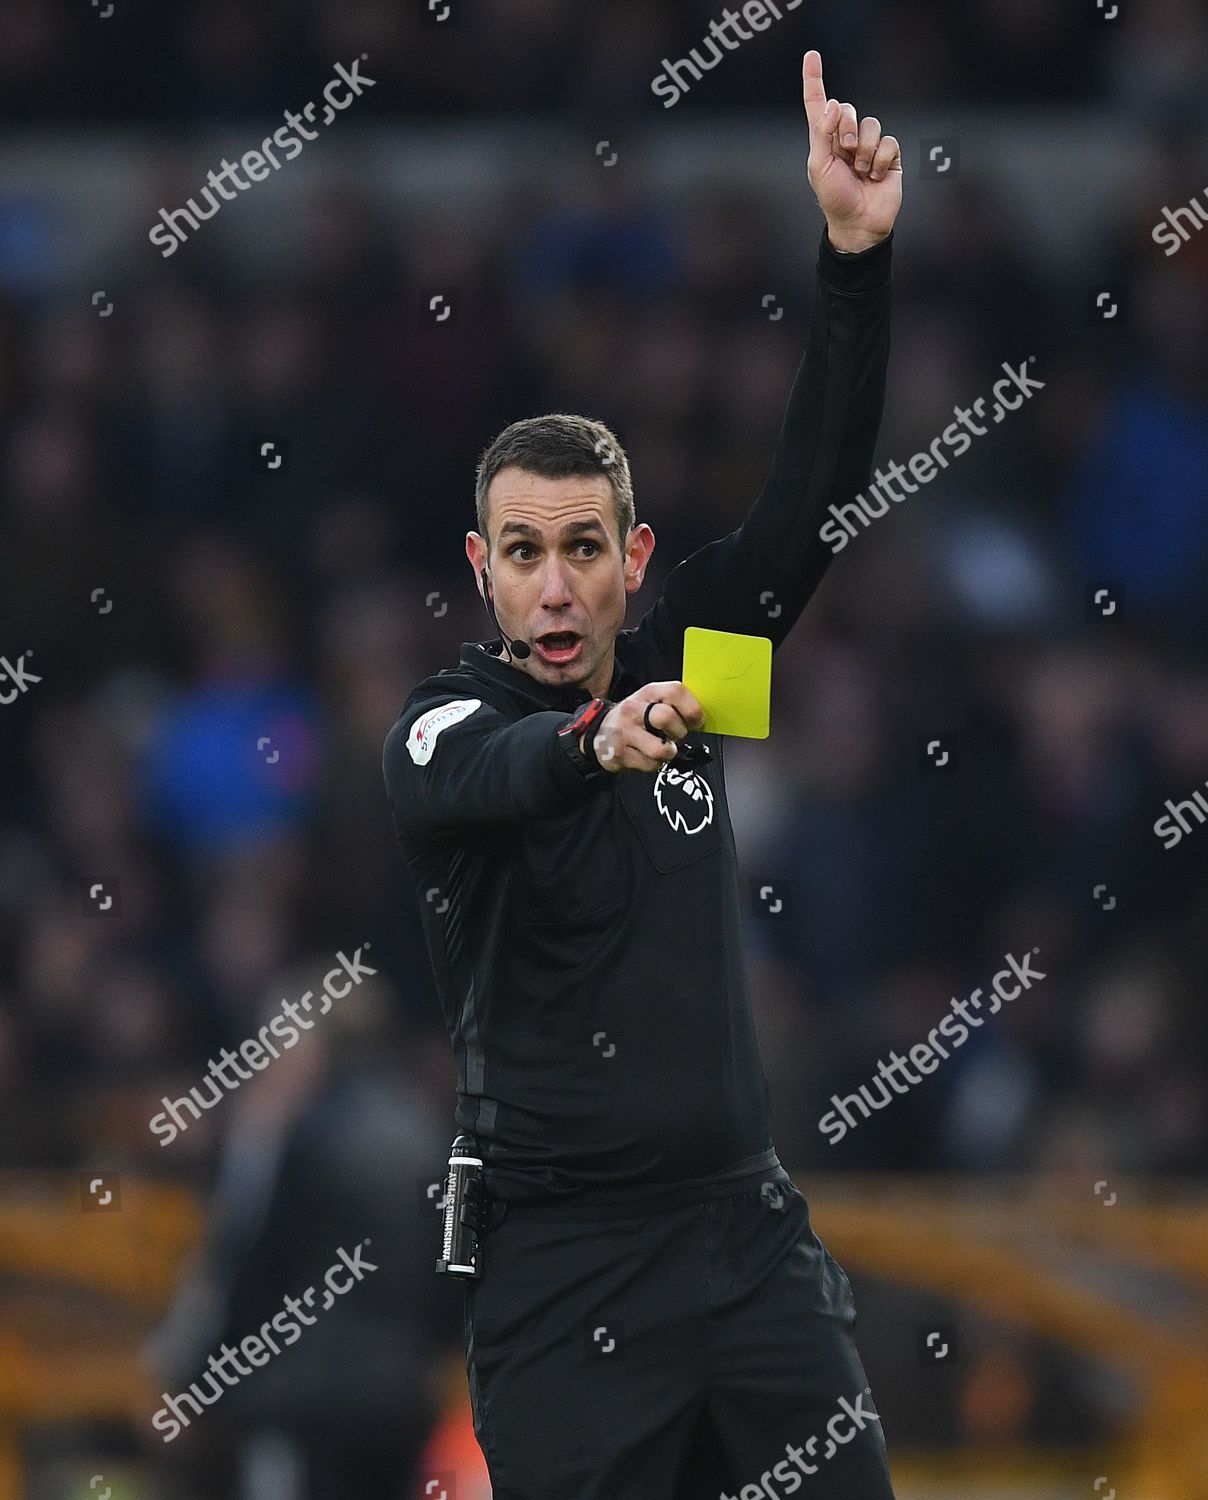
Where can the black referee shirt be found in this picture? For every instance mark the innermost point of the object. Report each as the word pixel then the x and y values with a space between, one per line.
pixel 585 935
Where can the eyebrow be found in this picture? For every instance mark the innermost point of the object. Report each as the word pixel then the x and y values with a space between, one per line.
pixel 572 528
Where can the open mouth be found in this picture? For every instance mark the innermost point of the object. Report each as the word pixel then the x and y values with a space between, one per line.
pixel 559 646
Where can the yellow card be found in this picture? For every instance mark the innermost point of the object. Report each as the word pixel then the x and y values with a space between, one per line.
pixel 731 675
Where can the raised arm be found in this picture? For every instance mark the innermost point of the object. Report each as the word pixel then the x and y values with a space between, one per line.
pixel 758 579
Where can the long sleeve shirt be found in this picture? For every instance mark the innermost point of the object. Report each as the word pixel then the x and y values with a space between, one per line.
pixel 584 931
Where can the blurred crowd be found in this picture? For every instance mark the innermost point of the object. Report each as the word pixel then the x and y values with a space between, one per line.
pixel 195 818
pixel 198 59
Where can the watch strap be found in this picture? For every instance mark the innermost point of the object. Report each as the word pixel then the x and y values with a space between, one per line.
pixel 585 722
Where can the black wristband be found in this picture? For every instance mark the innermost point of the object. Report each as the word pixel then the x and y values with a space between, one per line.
pixel 586 722
pixel 589 739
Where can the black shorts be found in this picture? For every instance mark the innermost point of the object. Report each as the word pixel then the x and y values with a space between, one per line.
pixel 701 1352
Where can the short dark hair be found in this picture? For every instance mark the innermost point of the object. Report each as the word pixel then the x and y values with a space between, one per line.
pixel 558 446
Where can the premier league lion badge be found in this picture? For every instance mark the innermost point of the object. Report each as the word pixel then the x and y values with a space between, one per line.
pixel 684 798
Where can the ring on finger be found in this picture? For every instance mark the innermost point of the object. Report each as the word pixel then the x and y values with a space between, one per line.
pixel 648 726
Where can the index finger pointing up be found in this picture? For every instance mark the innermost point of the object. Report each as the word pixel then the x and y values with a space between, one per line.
pixel 815 93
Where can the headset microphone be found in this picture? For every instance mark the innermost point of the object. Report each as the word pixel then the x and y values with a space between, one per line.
pixel 517 648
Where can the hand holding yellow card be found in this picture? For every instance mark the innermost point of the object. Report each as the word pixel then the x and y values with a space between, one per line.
pixel 731 675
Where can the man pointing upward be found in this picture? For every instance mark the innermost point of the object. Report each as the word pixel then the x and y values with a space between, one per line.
pixel 655 1318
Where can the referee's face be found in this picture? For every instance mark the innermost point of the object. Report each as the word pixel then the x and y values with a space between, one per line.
pixel 558 573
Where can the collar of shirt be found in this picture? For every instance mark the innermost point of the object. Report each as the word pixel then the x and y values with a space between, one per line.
pixel 486 658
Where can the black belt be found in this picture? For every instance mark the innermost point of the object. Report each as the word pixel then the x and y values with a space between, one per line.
pixel 637 1201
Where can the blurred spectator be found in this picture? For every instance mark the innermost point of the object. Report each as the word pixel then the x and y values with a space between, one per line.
pixel 329 1148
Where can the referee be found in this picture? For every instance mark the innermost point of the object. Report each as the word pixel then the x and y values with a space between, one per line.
pixel 655 1318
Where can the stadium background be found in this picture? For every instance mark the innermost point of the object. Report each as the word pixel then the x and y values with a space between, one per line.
pixel 221 646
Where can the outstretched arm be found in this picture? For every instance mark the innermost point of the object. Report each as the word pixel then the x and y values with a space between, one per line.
pixel 758 579
pixel 456 763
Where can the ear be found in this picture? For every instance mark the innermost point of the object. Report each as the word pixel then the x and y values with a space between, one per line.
pixel 477 552
pixel 638 547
